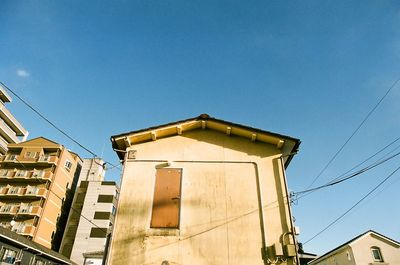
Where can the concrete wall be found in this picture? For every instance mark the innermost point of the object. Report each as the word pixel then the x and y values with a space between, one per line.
pixel 83 242
pixel 220 219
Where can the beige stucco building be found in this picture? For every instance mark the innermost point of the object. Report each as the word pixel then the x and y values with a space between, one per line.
pixel 369 248
pixel 36 180
pixel 203 191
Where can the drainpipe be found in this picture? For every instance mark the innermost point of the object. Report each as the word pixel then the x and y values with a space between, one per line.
pixel 290 211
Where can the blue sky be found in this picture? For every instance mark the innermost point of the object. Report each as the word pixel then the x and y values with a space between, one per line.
pixel 308 69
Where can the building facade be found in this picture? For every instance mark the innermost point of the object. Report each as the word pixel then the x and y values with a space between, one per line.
pixel 203 191
pixel 11 131
pixel 369 248
pixel 94 205
pixel 37 178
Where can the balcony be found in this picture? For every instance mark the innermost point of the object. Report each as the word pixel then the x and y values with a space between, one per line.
pixel 24 193
pixel 43 159
pixel 25 175
pixel 12 122
pixel 22 229
pixel 29 211
pixel 7 133
pixel 47 159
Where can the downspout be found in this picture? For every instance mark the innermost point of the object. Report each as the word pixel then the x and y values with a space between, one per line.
pixel 290 211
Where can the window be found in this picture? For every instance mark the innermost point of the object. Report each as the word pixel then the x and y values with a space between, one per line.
pixel 114 210
pixel 30 154
pixel 4 172
pixel 98 232
pixel 14 190
pixel 37 173
pixel 68 165
pixel 102 215
pixel 12 157
pixel 167 198
pixel 376 254
pixel 21 173
pixel 105 198
pixel 44 158
pixel 8 256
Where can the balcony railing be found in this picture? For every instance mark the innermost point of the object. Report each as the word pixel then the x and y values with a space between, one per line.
pixel 14 158
pixel 25 175
pixel 18 210
pixel 9 192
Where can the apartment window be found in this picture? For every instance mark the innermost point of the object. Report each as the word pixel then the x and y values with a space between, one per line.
pixel 114 210
pixel 44 158
pixel 25 208
pixel 32 190
pixel 68 165
pixel 30 154
pixel 102 215
pixel 14 190
pixel 21 173
pixel 376 254
pixel 12 157
pixel 167 198
pixel 98 232
pixel 8 256
pixel 37 173
pixel 105 198
pixel 4 172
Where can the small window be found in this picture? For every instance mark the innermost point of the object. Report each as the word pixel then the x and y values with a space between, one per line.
pixel 8 256
pixel 98 232
pixel 114 210
pixel 102 215
pixel 30 154
pixel 376 254
pixel 21 173
pixel 4 172
pixel 105 198
pixel 68 165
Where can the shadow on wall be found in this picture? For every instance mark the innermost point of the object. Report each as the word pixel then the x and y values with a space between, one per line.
pixel 65 209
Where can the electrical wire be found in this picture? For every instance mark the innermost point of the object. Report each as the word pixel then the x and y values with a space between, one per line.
pixel 353 206
pixel 337 181
pixel 53 125
pixel 354 132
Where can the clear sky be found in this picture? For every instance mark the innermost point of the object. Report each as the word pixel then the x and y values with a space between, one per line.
pixel 308 69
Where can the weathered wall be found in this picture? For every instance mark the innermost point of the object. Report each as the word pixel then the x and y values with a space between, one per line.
pixel 220 214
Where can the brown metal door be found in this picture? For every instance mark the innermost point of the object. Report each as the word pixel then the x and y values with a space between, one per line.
pixel 167 198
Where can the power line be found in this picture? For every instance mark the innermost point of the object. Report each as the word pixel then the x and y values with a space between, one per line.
pixel 53 125
pixel 354 132
pixel 337 181
pixel 352 207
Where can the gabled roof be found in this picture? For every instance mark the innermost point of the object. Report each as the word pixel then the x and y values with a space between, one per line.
pixel 369 232
pixel 38 141
pixel 204 121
